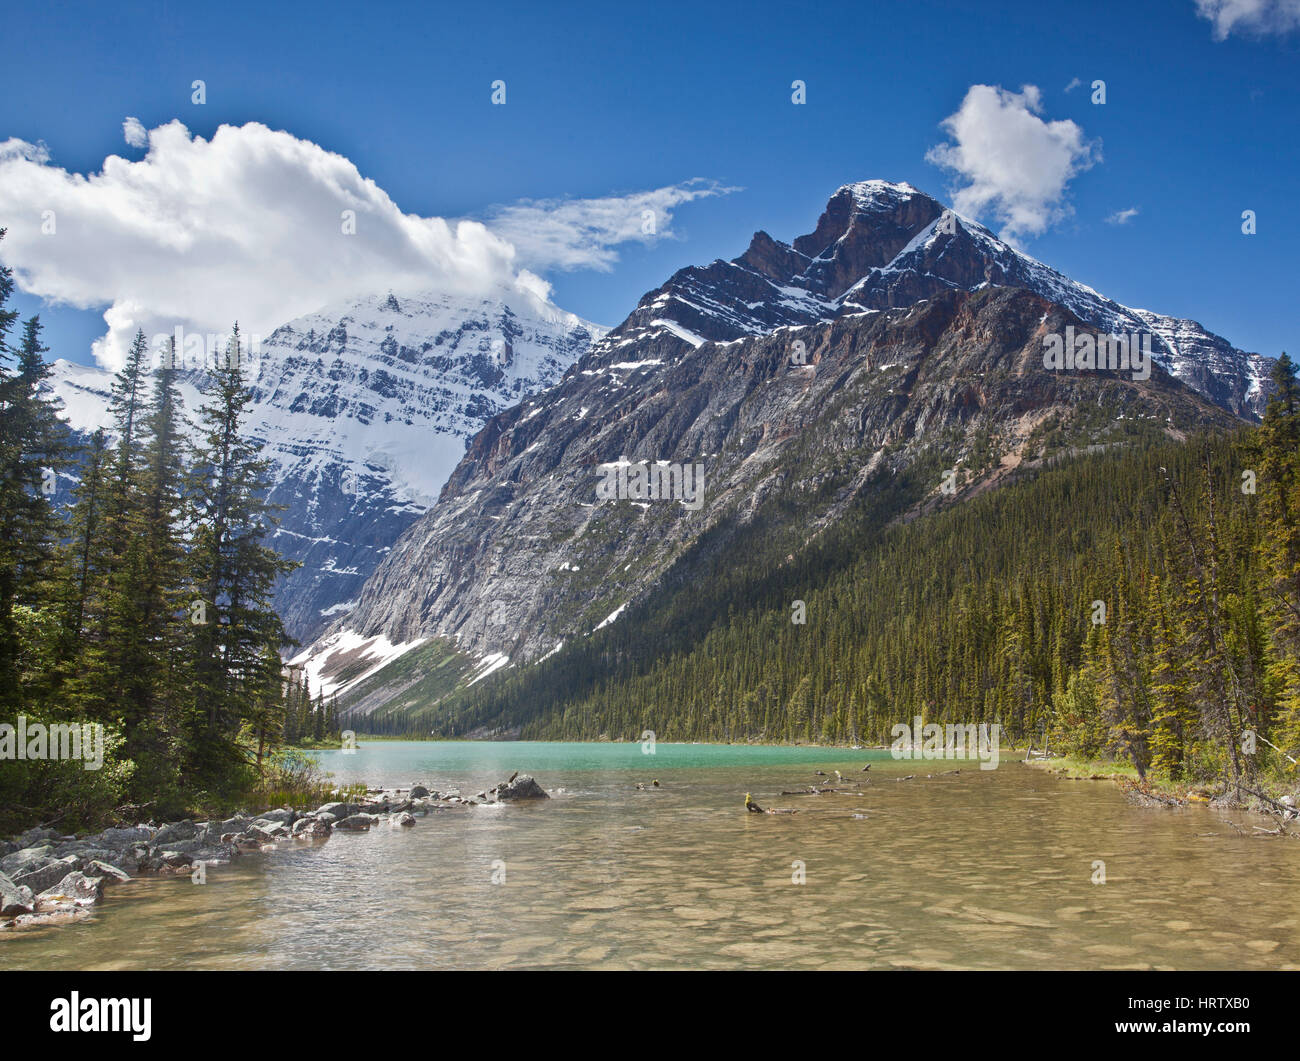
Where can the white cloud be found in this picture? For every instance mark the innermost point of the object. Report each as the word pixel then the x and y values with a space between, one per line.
pixel 1257 17
pixel 1122 217
pixel 1074 83
pixel 1013 164
pixel 249 226
pixel 134 132
pixel 582 233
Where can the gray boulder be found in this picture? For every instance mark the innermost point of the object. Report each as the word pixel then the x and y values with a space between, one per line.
pixel 169 834
pixel 175 859
pixel 118 839
pixel 187 847
pixel 73 847
pixel 215 854
pixel 32 837
pixel 15 899
pixel 339 810
pixel 404 819
pixel 47 875
pixel 523 787
pixel 107 871
pixel 27 858
pixel 355 823
pixel 75 887
pixel 312 828
pixel 418 790
pixel 238 824
pixel 85 851
pixel 285 817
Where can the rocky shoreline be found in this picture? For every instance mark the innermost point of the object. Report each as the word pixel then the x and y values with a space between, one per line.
pixel 48 879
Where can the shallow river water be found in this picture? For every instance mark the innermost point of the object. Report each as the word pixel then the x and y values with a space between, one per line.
pixel 977 869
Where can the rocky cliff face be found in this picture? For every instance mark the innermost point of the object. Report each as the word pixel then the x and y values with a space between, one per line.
pixel 521 553
pixel 893 333
pixel 364 409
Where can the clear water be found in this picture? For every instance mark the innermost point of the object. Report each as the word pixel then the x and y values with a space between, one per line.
pixel 978 869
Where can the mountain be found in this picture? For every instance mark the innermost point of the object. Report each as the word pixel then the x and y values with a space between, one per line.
pixel 879 246
pixel 364 409
pixel 895 337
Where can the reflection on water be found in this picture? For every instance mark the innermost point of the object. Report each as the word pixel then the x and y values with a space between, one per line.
pixel 979 869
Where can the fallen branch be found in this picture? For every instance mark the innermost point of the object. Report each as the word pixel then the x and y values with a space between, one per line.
pixel 1268 799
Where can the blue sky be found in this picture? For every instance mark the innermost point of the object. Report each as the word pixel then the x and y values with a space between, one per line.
pixel 606 101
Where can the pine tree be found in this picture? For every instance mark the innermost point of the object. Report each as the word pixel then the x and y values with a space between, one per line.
pixel 238 633
pixel 33 447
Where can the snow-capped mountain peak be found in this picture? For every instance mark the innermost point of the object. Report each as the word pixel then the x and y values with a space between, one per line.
pixel 883 245
pixel 364 408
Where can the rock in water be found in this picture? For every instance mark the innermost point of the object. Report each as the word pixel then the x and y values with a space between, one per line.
pixel 76 888
pixel 48 875
pixel 14 899
pixel 282 815
pixel 106 870
pixel 524 787
pixel 313 828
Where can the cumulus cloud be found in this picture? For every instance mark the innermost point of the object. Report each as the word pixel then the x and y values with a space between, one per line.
pixel 1009 161
pixel 260 226
pixel 1122 217
pixel 134 132
pixel 1251 17
pixel 1074 83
